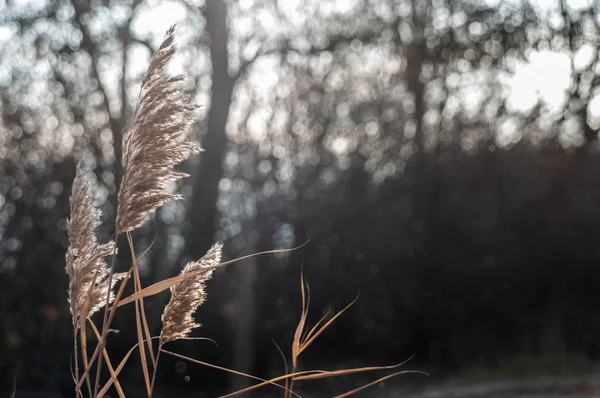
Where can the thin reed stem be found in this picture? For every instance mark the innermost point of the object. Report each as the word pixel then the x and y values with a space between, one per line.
pixel 105 323
pixel 77 391
pixel 138 287
pixel 155 368
pixel 140 316
pixel 294 368
pixel 82 336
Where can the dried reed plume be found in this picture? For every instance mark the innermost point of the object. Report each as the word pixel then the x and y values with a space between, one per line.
pixel 85 258
pixel 156 143
pixel 187 296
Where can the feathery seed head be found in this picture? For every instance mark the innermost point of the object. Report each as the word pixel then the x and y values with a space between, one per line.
pixel 187 296
pixel 156 142
pixel 85 258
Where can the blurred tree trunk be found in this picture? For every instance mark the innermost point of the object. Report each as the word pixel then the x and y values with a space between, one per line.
pixel 424 173
pixel 244 356
pixel 203 212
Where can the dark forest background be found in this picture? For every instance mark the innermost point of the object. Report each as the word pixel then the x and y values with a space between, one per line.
pixel 390 135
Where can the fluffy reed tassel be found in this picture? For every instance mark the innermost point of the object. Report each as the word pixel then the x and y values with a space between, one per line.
pixel 85 258
pixel 156 142
pixel 187 296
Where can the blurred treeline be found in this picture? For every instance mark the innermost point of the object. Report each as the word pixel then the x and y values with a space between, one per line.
pixel 393 135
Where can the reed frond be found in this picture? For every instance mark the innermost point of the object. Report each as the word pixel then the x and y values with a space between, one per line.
pixel 187 296
pixel 156 143
pixel 85 259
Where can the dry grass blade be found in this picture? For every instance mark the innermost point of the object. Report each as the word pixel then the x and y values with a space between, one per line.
pixel 297 343
pixel 156 142
pixel 109 364
pixel 271 381
pixel 311 337
pixel 303 339
pixel 323 374
pixel 167 283
pixel 309 333
pixel 264 382
pixel 347 394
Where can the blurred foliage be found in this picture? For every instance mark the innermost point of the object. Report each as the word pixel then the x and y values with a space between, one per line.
pixel 440 155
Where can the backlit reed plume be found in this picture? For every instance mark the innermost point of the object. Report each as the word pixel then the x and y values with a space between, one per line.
pixel 187 296
pixel 85 258
pixel 156 142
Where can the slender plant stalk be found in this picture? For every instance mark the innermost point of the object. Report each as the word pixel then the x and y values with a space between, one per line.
pixel 285 365
pixel 84 356
pixel 109 364
pixel 138 282
pixel 155 368
pixel 105 324
pixel 294 369
pixel 139 313
pixel 77 392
